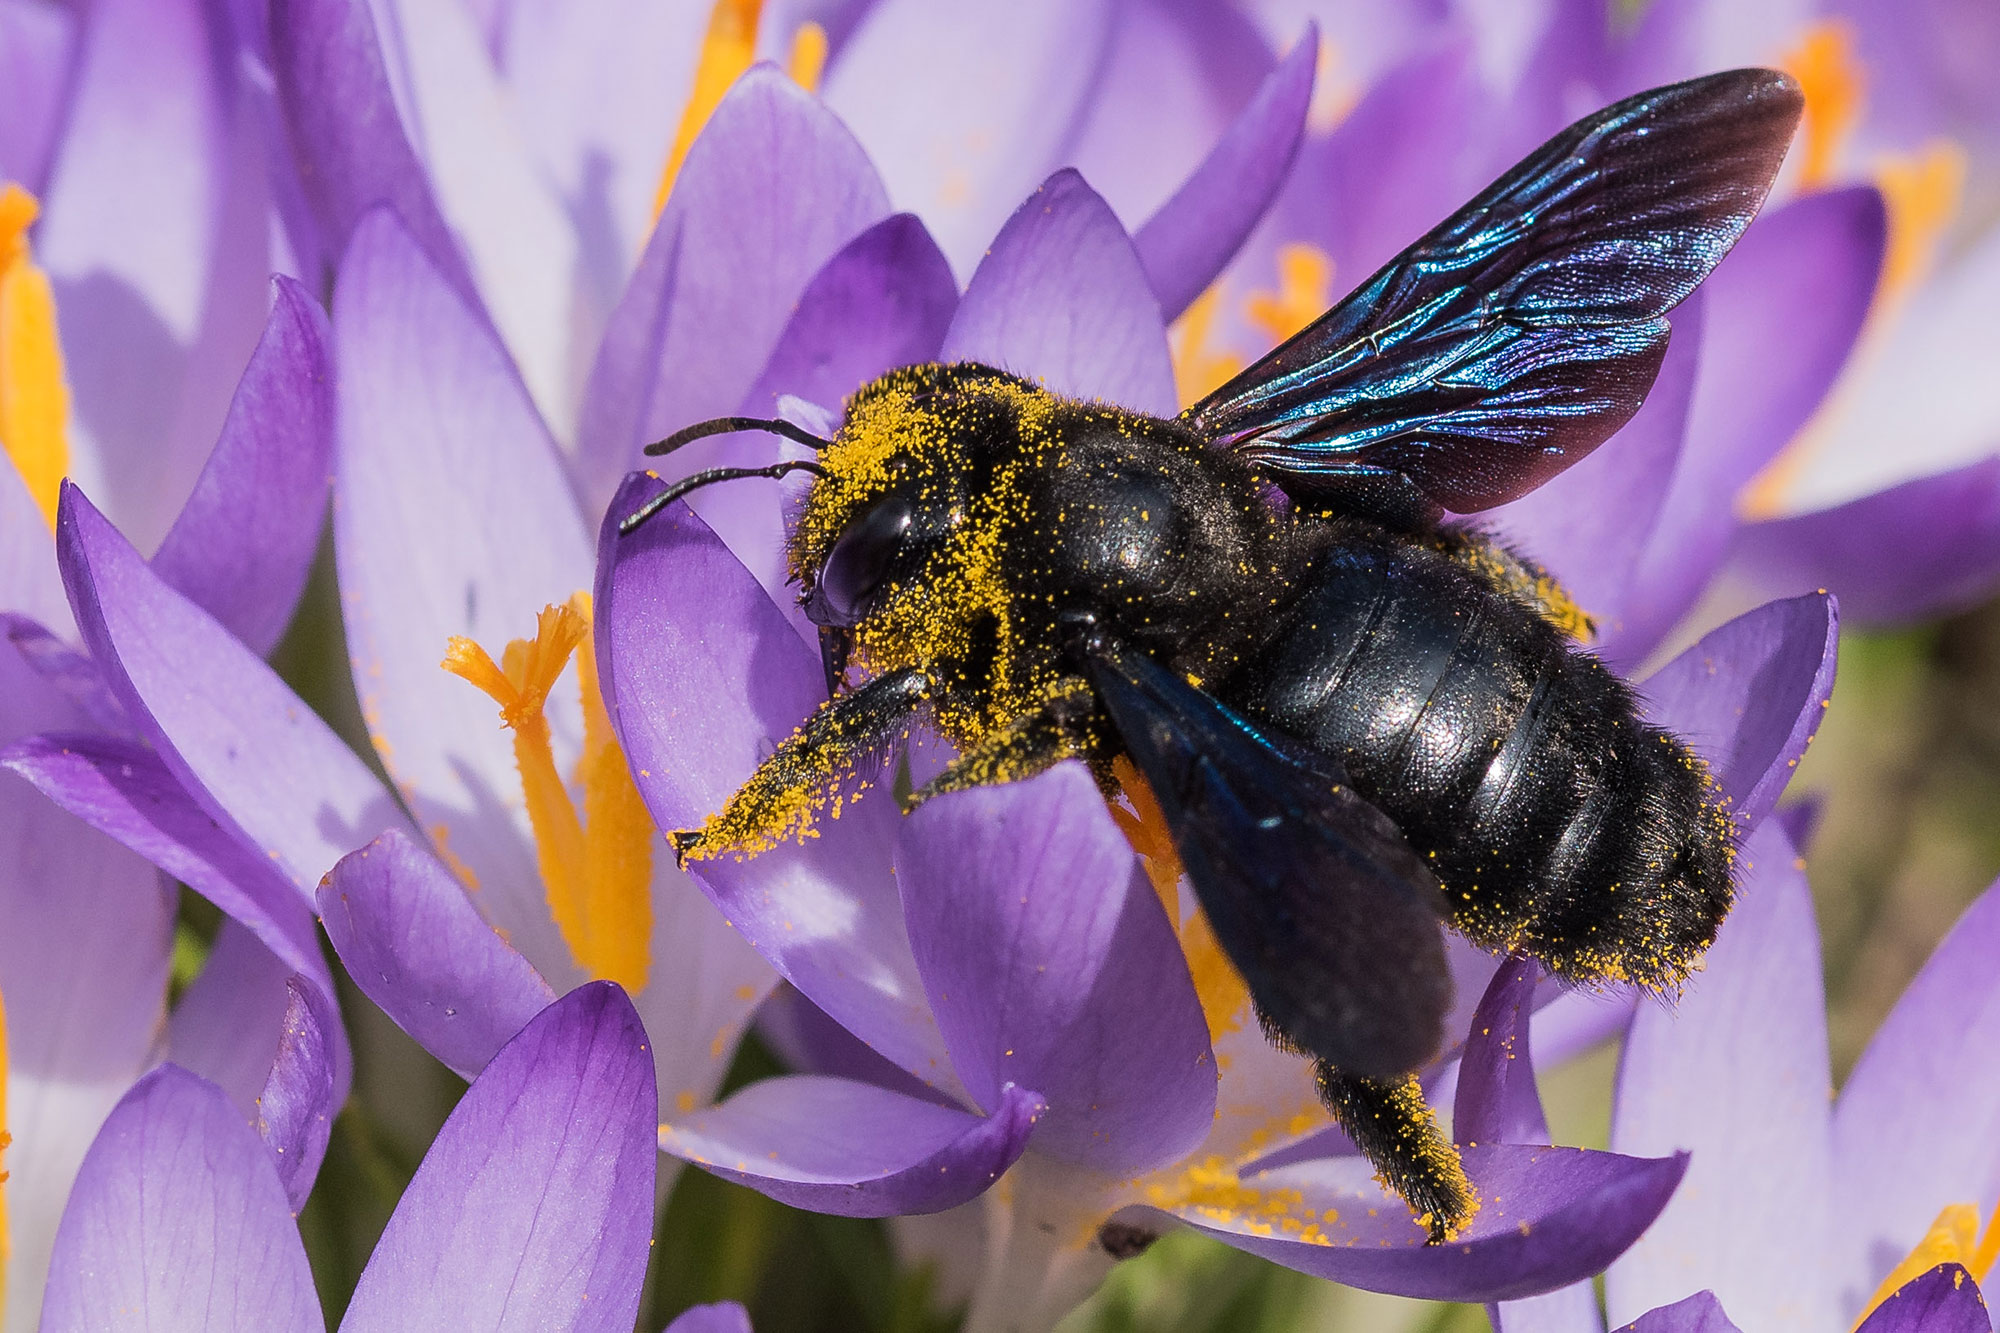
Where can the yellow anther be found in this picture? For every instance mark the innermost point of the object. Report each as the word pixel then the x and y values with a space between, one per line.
pixel 1198 369
pixel 1833 81
pixel 1922 191
pixel 34 397
pixel 1954 1238
pixel 596 869
pixel 1305 286
pixel 808 59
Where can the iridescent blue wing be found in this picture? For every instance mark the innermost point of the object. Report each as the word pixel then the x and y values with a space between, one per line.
pixel 1330 917
pixel 1514 338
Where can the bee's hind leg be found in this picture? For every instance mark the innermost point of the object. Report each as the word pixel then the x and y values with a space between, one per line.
pixel 1395 1129
pixel 1058 728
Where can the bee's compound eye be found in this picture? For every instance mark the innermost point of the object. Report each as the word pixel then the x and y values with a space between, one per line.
pixel 855 566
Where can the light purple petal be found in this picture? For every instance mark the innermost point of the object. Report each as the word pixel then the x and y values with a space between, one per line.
pixel 853 1150
pixel 1590 524
pixel 963 107
pixel 122 789
pixel 1571 1309
pixel 178 1222
pixel 344 130
pixel 29 582
pixel 225 1026
pixel 1062 298
pixel 703 673
pixel 1781 314
pixel 1497 1101
pixel 722 1317
pixel 1943 1300
pixel 296 1109
pixel 1549 1217
pixel 453 518
pixel 1050 965
pixel 1914 1127
pixel 883 301
pixel 772 189
pixel 1186 242
pixel 1699 1313
pixel 37 42
pixel 1923 549
pixel 1736 1074
pixel 417 947
pixel 533 1209
pixel 245 540
pixel 806 1040
pixel 1750 696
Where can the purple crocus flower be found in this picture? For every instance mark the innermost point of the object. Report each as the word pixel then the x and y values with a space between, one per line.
pixel 533 1207
pixel 1098 1057
pixel 1801 1211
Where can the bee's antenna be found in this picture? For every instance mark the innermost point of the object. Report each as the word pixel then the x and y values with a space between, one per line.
pixel 709 478
pixel 701 430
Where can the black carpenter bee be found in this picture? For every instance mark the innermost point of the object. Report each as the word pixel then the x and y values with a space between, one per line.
pixel 1358 719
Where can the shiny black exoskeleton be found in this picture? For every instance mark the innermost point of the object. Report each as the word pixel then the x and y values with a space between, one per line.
pixel 1356 718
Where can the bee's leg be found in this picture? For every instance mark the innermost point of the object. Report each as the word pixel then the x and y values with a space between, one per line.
pixel 1397 1132
pixel 1057 729
pixel 784 796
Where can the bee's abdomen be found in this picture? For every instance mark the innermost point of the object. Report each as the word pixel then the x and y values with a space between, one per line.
pixel 1557 820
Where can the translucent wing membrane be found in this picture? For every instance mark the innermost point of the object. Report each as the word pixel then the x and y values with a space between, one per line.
pixel 1330 917
pixel 1516 336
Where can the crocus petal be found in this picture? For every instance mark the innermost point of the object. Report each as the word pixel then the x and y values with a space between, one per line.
pixel 1944 531
pixel 454 518
pixel 344 129
pixel 965 106
pixel 229 730
pixel 1497 1100
pixel 1050 964
pixel 680 621
pixel 29 581
pixel 121 788
pixel 1589 525
pixel 883 301
pixel 1749 698
pixel 722 1317
pixel 1699 1313
pixel 1549 1217
pixel 1913 1130
pixel 770 191
pixel 1943 1300
pixel 178 1222
pixel 225 1026
pixel 1186 242
pixel 1571 1309
pixel 296 1108
pixel 1738 1078
pixel 417 947
pixel 1781 314
pixel 245 540
pixel 806 1040
pixel 148 120
pixel 845 1148
pixel 1062 297
pixel 36 43
pixel 533 1208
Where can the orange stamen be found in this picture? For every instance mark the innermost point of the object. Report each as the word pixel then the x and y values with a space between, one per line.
pixel 1834 82
pixel 34 396
pixel 1305 287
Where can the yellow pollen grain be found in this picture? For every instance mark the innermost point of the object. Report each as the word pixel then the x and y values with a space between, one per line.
pixel 1954 1238
pixel 1199 369
pixel 1833 81
pixel 596 866
pixel 1305 287
pixel 34 395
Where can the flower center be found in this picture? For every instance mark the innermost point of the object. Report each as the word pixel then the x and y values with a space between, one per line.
pixel 726 51
pixel 1954 1238
pixel 34 398
pixel 1304 290
pixel 596 863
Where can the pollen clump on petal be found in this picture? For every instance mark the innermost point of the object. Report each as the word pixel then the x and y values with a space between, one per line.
pixel 34 395
pixel 597 863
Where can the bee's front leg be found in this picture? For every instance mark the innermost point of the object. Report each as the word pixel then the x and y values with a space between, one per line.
pixel 784 796
pixel 1058 728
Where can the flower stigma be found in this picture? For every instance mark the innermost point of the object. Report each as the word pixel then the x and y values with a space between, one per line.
pixel 727 50
pixel 1954 1238
pixel 34 395
pixel 596 864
